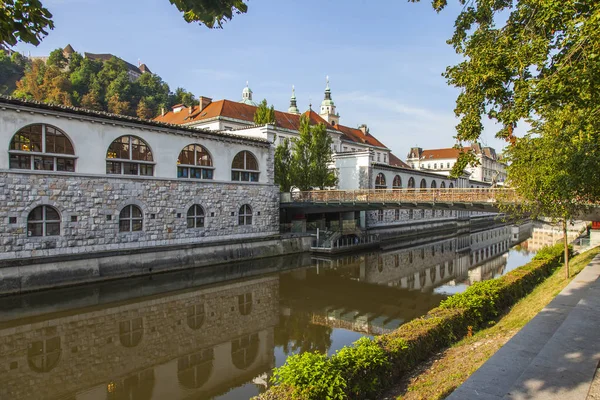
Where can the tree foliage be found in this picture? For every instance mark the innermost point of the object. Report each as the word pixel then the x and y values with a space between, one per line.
pixel 539 62
pixel 29 21
pixel 264 114
pixel 11 69
pixel 91 84
pixel 283 165
pixel 307 164
pixel 23 21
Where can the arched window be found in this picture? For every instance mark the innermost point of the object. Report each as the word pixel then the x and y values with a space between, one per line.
pixel 195 316
pixel 380 181
pixel 43 355
pixel 194 370
pixel 195 217
pixel 397 183
pixel 43 221
pixel 194 162
pixel 451 185
pixel 443 185
pixel 411 183
pixel 433 185
pixel 423 184
pixel 244 350
pixel 41 147
pixel 244 167
pixel 131 332
pixel 131 219
pixel 245 215
pixel 245 303
pixel 129 155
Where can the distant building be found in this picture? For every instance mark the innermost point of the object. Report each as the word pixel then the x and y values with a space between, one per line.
pixel 491 168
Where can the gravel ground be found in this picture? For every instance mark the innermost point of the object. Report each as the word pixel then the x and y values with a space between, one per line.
pixel 594 393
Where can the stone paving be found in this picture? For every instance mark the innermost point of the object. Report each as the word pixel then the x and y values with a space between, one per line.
pixel 555 356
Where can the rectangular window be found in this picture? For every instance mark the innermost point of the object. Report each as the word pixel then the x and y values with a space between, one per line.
pixel 113 167
pixel 130 169
pixel 43 163
pixel 397 214
pixel 18 161
pixel 380 215
pixel 65 164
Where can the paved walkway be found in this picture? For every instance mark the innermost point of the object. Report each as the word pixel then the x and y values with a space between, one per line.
pixel 555 356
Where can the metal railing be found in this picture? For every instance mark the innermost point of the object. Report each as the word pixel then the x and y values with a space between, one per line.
pixel 347 242
pixel 407 196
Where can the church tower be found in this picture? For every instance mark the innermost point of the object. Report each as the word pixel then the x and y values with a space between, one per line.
pixel 293 107
pixel 328 108
pixel 247 96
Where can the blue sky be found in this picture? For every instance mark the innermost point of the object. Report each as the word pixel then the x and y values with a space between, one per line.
pixel 384 61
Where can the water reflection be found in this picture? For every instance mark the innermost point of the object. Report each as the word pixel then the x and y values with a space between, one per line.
pixel 218 332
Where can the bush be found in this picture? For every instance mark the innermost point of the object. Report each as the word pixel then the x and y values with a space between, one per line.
pixel 363 370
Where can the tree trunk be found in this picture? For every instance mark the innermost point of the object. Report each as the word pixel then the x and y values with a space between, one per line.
pixel 566 242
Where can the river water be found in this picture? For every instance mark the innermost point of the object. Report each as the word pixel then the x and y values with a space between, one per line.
pixel 217 332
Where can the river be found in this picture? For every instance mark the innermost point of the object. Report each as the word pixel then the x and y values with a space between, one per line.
pixel 217 332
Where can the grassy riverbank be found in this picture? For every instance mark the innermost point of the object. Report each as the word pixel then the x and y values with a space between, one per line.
pixel 446 370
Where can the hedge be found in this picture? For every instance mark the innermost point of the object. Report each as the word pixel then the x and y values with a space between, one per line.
pixel 366 368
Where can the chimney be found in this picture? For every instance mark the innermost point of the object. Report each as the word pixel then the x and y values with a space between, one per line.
pixel 162 111
pixel 190 108
pixel 204 102
pixel 364 129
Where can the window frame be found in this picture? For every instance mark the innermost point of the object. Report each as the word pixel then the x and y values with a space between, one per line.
pixel 241 173
pixel 123 162
pixel 131 219
pixel 43 155
pixel 44 221
pixel 206 171
pixel 245 215
pixel 382 181
pixel 397 178
pixel 196 217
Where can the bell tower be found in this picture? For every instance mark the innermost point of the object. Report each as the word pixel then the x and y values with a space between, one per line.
pixel 328 107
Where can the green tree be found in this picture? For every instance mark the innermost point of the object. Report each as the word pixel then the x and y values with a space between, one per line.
pixel 30 86
pixel 181 96
pixel 533 61
pixel 283 165
pixel 301 157
pixel 264 114
pixel 322 175
pixel 551 168
pixel 57 59
pixel 12 69
pixel 28 21
pixel 521 60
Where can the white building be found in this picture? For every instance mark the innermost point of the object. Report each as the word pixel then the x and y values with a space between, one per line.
pixel 490 169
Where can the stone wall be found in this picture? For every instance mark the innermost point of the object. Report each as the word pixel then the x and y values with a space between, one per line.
pixel 89 207
pixel 94 350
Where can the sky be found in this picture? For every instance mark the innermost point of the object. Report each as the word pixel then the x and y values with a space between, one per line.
pixel 384 58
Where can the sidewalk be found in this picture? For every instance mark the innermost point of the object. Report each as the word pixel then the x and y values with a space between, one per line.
pixel 555 356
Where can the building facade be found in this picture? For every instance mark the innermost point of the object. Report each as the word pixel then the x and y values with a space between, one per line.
pixel 75 181
pixel 490 169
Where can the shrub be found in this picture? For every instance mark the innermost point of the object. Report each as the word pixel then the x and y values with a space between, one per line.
pixel 363 370
pixel 312 376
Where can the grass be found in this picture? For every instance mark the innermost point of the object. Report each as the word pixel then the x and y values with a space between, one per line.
pixel 440 375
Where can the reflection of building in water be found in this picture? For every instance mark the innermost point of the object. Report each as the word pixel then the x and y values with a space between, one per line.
pixel 382 278
pixel 193 343
pixel 547 234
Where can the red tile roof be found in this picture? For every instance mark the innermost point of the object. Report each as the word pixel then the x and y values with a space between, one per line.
pixel 235 110
pixel 437 154
pixel 356 135
pixel 395 161
pixel 245 112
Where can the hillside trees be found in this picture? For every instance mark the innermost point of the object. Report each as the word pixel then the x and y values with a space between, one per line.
pixel 29 21
pixel 91 84
pixel 11 69
pixel 306 163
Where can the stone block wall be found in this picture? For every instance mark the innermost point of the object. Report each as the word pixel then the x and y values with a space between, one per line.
pixel 89 208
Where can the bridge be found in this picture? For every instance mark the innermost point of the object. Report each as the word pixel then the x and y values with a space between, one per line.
pixel 486 199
